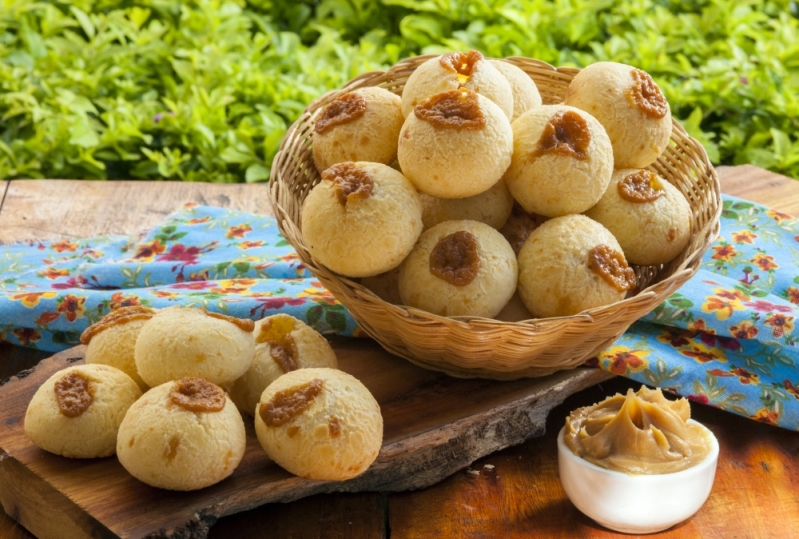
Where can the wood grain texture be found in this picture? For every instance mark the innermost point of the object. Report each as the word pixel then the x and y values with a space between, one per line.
pixel 434 425
pixel 36 209
pixel 753 183
pixel 756 467
pixel 516 493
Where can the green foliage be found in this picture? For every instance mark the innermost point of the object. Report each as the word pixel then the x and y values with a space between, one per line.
pixel 203 90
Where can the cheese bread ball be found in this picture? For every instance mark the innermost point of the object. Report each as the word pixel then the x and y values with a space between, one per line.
pixel 525 93
pixel 459 268
pixel 77 412
pixel 385 286
pixel 562 161
pixel 491 207
pixel 182 435
pixel 361 125
pixel 180 342
pixel 111 341
pixel 630 106
pixel 320 424
pixel 570 264
pixel 453 71
pixel 282 344
pixel 361 219
pixel 455 144
pixel 648 216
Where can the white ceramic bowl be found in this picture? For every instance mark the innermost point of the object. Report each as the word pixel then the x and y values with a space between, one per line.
pixel 636 503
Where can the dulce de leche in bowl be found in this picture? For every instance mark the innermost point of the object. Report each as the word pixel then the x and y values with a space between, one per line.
pixel 637 463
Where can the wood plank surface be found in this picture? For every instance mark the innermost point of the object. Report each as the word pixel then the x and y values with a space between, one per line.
pixel 35 209
pixel 434 425
pixel 526 498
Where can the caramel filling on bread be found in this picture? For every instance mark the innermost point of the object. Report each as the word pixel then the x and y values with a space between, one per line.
pixel 276 332
pixel 645 95
pixel 350 181
pixel 74 393
pixel 453 109
pixel 197 395
pixel 641 186
pixel 566 133
pixel 341 110
pixel 122 315
pixel 462 63
pixel 455 258
pixel 289 403
pixel 244 324
pixel 612 267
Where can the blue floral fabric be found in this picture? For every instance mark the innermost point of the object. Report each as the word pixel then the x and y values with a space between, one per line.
pixel 727 338
pixel 230 262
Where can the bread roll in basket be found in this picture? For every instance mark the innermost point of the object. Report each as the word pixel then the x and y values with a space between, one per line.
pixel 480 347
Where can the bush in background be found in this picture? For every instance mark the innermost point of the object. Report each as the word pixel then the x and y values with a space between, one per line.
pixel 204 90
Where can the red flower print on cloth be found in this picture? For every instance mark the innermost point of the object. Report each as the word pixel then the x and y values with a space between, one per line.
pixel 79 281
pixel 745 376
pixel 181 253
pixel 238 231
pixel 72 307
pixel 27 336
pixel 790 388
pixel 64 246
pixel 149 250
pixel 780 324
pixel 778 215
pixel 765 262
pixel 724 303
pixel 719 372
pixel 118 299
pixel 194 285
pixel 31 299
pixel 724 252
pixel 744 330
pixel 764 415
pixel 703 354
pixel 622 360
pixel 744 236
pixel 764 306
pixel 53 273
pixel 700 325
pixel 251 244
pixel 676 337
pixel 198 220
pixel 793 294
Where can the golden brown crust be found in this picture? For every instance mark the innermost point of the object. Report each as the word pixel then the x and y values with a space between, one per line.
pixel 197 395
pixel 115 317
pixel 341 110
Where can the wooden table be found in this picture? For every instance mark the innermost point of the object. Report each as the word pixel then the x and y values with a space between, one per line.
pixel 511 493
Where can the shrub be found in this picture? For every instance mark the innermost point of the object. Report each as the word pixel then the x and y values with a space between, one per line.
pixel 204 90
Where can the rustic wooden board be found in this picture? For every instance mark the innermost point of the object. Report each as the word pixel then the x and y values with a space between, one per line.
pixel 434 426
pixel 38 209
pixel 523 498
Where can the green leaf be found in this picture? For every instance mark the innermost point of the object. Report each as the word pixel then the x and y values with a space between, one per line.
pixel 256 173
pixel 84 21
pixel 336 320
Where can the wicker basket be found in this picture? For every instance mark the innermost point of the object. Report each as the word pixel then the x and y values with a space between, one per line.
pixel 481 347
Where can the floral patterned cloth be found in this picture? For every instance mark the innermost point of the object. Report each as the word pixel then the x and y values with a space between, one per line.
pixel 727 338
pixel 227 261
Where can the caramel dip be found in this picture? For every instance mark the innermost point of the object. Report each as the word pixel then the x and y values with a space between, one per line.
pixel 640 433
